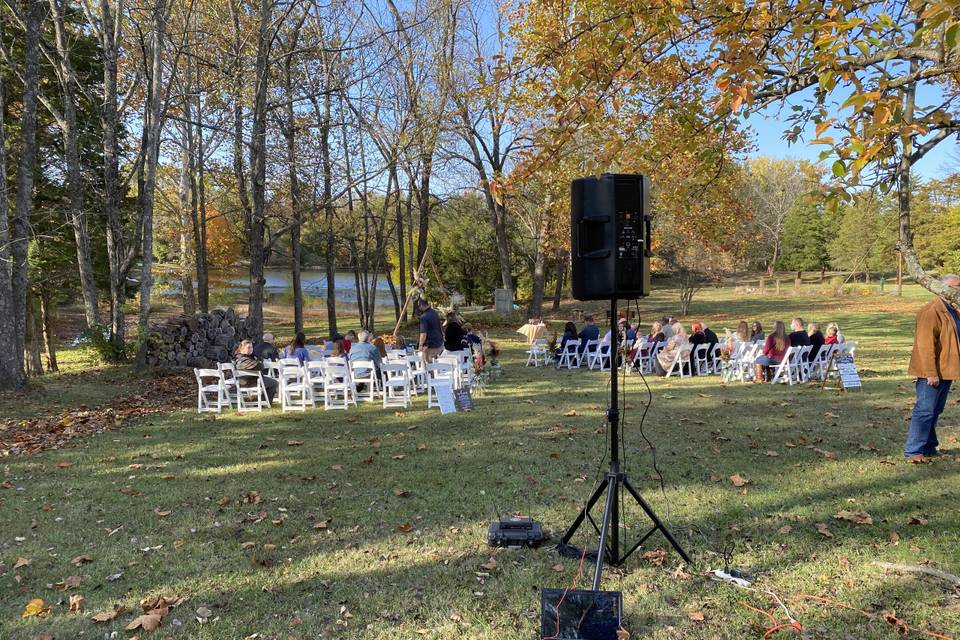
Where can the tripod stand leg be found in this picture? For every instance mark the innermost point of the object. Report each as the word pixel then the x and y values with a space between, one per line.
pixel 583 513
pixel 656 521
pixel 605 529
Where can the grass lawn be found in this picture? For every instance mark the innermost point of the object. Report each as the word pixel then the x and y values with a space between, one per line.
pixel 372 524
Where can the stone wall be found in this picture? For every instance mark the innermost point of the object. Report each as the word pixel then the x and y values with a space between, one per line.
pixel 200 341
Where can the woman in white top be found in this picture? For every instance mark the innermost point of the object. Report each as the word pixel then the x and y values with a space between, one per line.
pixel 666 356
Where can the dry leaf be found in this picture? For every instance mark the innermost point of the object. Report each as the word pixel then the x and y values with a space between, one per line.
pixel 77 602
pixel 337 467
pixel 322 524
pixel 773 454
pixel 695 616
pixel 374 442
pixel 294 443
pixel 344 612
pixel 558 568
pixel 823 530
pixel 856 517
pixel 785 529
pixel 162 514
pixel 79 560
pixel 269 547
pixel 71 582
pixel 168 476
pixel 36 607
pixel 571 413
pixel 421 446
pixel 623 634
pixel 147 622
pixel 656 556
pixel 738 480
pixel 490 565
pixel 830 455
pixel 917 520
pixel 107 616
pixel 63 465
pixel 22 562
pixel 224 501
pixel 248 545
pixel 399 457
pixel 894 537
pixel 400 493
pixel 406 527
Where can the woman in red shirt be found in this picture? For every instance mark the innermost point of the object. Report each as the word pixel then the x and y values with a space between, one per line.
pixel 774 348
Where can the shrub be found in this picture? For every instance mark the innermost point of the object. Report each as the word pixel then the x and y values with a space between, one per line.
pixel 105 351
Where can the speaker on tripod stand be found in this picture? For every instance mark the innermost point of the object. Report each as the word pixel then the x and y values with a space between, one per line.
pixel 610 256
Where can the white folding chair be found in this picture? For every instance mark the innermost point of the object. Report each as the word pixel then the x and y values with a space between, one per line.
pixel 570 355
pixel 439 374
pixel 231 387
pixel 396 384
pixel 272 369
pixel 336 384
pixel 294 391
pixel 365 372
pixel 700 359
pixel 788 367
pixel 537 353
pixel 601 358
pixel 289 362
pixel 803 363
pixel 314 379
pixel 652 354
pixel 590 351
pixel 210 392
pixel 680 359
pixel 454 361
pixel 251 397
pixel 716 362
pixel 465 364
pixel 818 365
pixel 848 348
pixel 418 373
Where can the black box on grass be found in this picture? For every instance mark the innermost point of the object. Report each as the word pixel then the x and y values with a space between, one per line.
pixel 573 614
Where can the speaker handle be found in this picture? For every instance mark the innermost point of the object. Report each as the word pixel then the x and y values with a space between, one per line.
pixel 599 253
pixel 648 241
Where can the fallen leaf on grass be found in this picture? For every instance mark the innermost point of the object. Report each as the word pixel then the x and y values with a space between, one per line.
pixel 162 514
pixel 247 545
pixel 168 476
pixel 36 607
pixel 399 414
pixel 400 493
pixel 830 455
pixel 79 560
pixel 785 529
pixel 22 562
pixel 738 480
pixel 147 622
pixel 77 602
pixel 63 465
pixel 856 517
pixel 656 556
pixel 294 443
pixel 113 577
pixel 823 530
pixel 323 524
pixel 623 634
pixel 224 501
pixel 107 616
pixel 399 457
pixel 72 582
pixel 773 454
pixel 406 527
pixel 695 616
pixel 344 612
pixel 374 442
pixel 490 565
pixel 917 520
pixel 421 446
pixel 894 537
pixel 558 568
pixel 337 467
pixel 571 413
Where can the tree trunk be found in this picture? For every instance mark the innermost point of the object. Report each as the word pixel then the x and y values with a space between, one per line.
pixel 20 237
pixel 33 337
pixel 539 276
pixel 423 200
pixel 73 174
pixel 198 201
pixel 393 292
pixel 187 218
pixel 899 274
pixel 11 368
pixel 561 275
pixel 401 258
pixel 49 338
pixel 153 122
pixel 329 253
pixel 289 133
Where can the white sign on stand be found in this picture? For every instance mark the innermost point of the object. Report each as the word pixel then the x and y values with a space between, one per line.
pixel 446 399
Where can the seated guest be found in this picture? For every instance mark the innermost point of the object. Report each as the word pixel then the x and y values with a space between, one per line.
pixel 264 350
pixel 735 340
pixel 364 349
pixel 569 333
pixel 832 333
pixel 473 340
pixel 665 327
pixel 626 331
pixel 816 339
pixel 245 360
pixel 349 339
pixel 668 354
pixel 656 333
pixel 836 332
pixel 712 338
pixel 297 349
pixel 798 337
pixel 774 348
pixel 339 351
pixel 756 332
pixel 381 347
pixel 453 333
pixel 590 332
pixel 698 337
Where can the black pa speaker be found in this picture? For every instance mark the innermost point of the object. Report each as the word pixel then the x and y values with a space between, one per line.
pixel 610 236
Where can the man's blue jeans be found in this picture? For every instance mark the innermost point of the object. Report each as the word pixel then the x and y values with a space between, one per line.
pixel 922 437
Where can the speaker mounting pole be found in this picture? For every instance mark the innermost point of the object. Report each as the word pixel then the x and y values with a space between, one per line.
pixel 615 482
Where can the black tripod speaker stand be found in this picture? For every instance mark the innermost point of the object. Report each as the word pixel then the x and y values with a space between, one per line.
pixel 615 482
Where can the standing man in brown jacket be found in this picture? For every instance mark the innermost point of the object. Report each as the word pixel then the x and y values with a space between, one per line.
pixel 935 362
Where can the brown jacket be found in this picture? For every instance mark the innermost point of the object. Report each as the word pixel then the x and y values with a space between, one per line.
pixel 936 350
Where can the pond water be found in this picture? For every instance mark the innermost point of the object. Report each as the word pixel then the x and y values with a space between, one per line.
pixel 279 283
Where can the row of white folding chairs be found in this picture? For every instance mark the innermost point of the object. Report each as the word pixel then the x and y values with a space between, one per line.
pixel 224 387
pixel 594 355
